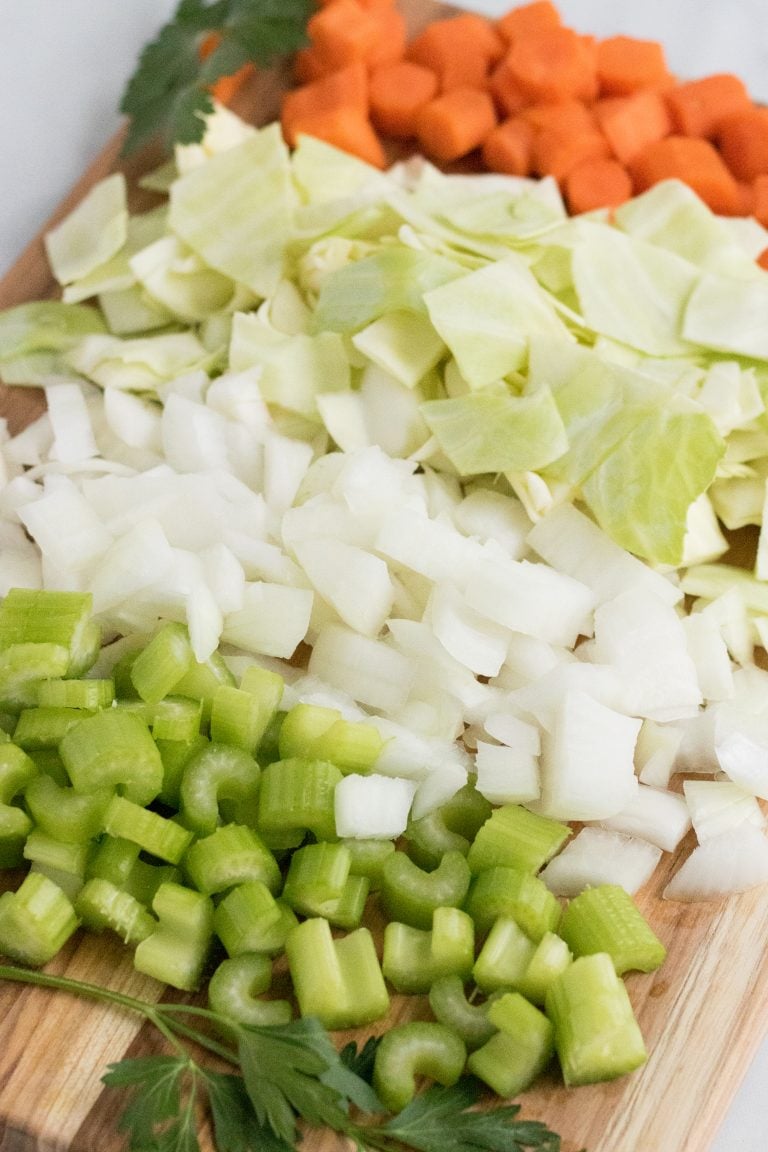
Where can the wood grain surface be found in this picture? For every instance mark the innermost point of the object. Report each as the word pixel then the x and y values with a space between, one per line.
pixel 703 1014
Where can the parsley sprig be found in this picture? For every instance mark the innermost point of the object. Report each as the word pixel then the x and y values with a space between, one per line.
pixel 168 95
pixel 291 1077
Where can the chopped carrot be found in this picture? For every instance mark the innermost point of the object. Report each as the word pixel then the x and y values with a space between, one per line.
pixel 743 140
pixel 347 87
pixel 397 93
pixel 597 184
pixel 455 123
pixel 760 200
pixel 508 147
pixel 747 195
pixel 535 17
pixel 307 65
pixel 698 106
pixel 347 128
pixel 693 160
pixel 556 153
pixel 226 87
pixel 506 90
pixel 461 50
pixel 565 116
pixel 630 122
pixel 391 40
pixel 762 259
pixel 625 65
pixel 555 64
pixel 342 32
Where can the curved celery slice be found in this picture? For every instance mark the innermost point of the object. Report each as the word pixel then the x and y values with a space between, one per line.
pixel 521 1049
pixel 154 833
pixel 65 814
pixel 101 904
pixel 176 951
pixel 606 919
pixel 45 727
pixel 449 1003
pixel 419 1048
pixel 415 957
pixel 159 667
pixel 113 749
pixel 298 796
pixel 215 772
pixel 504 891
pixel 245 916
pixel 512 836
pixel 36 920
pixel 231 855
pixel 236 986
pixel 412 895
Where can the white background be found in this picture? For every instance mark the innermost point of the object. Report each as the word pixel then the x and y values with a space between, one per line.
pixel 64 64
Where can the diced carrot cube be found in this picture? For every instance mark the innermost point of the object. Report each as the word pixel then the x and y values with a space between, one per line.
pixel 626 64
pixel 506 90
pixel 556 64
pixel 534 17
pixel 597 184
pixel 630 122
pixel 455 123
pixel 693 160
pixel 565 116
pixel 698 106
pixel 460 50
pixel 508 147
pixel 346 87
pixel 397 93
pixel 556 153
pixel 743 141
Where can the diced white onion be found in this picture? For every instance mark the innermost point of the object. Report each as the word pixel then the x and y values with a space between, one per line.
pixel 372 807
pixel 733 861
pixel 596 856
pixel 661 818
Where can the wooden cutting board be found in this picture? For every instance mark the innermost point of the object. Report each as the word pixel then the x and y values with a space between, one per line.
pixel 703 1014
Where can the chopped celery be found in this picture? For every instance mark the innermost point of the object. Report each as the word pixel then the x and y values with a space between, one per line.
pixel 339 981
pixel 90 694
pixel 312 732
pixel 231 855
pixel 29 616
pixel 23 666
pixel 113 749
pixel 317 874
pixel 201 680
pixel 240 716
pixel 411 895
pixel 177 718
pixel 36 920
pixel 215 772
pixel 175 755
pixel 65 814
pixel 59 854
pixel 552 956
pixel 514 837
pixel 160 666
pixel 101 904
pixel 415 957
pixel 45 727
pixel 154 833
pixel 596 1034
pixel 523 1046
pixel 504 957
pixel 450 1006
pixel 17 772
pixel 302 725
pixel 419 1048
pixel 503 891
pixel 450 828
pixel 119 862
pixel 245 916
pixel 606 919
pixel 367 859
pixel 176 951
pixel 236 986
pixel 298 796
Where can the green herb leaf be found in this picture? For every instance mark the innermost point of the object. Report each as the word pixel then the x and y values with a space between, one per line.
pixel 235 1127
pixel 360 1060
pixel 161 1113
pixel 440 1120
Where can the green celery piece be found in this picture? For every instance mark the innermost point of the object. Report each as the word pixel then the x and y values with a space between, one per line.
pixel 45 727
pixel 504 956
pixel 552 956
pixel 317 874
pixel 177 718
pixel 606 919
pixel 157 669
pixel 177 950
pixel 301 727
pixel 236 986
pixel 411 895
pixel 450 1006
pixel 17 771
pixel 45 326
pixel 296 796
pixel 245 916
pixel 85 649
pixel 347 910
pixel 64 856
pixel 86 694
pixel 353 746
pixel 505 891
pixel 231 855
pixel 268 751
pixel 49 763
pixel 23 666
pixel 113 749
pixel 119 862
pixel 512 1059
pixel 216 772
pixel 339 981
pixel 175 755
pixel 410 1051
pixel 512 836
pixel 452 827
pixel 15 827
pixel 367 859
pixel 596 1034
pixel 415 957
pixel 238 718
pixel 31 616
pixel 65 814
pixel 201 680
pixel 35 921
pixel 153 833
pixel 101 904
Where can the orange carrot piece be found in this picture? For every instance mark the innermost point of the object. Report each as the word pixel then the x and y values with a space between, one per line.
pixel 397 93
pixel 392 37
pixel 760 200
pixel 693 160
pixel 308 65
pixel 698 106
pixel 455 123
pixel 508 147
pixel 506 90
pixel 626 64
pixel 597 184
pixel 347 87
pixel 344 31
pixel 557 153
pixel 565 116
pixel 535 17
pixel 762 259
pixel 461 50
pixel 630 122
pixel 345 127
pixel 743 141
pixel 556 64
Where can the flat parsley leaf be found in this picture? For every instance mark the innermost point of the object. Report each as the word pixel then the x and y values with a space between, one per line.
pixel 168 94
pixel 439 1120
pixel 235 1126
pixel 161 1113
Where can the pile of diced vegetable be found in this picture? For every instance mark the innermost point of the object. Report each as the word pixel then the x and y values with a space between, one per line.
pixel 364 508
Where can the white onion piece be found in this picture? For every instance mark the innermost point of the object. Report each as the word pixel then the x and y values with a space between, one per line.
pixel 476 643
pixel 237 396
pixel 194 437
pixel 65 528
pixel 541 699
pixel 224 575
pixel 709 653
pixel 529 659
pixel 533 599
pixel 134 562
pixel 507 775
pixel 730 614
pixel 133 419
pixel 371 671
pixel 697 747
pixel 343 414
pixel 661 818
pixel 656 751
pixel 204 620
pixel 587 770
pixel 285 463
pixel 407 753
pixel 273 619
pixel 32 444
pixel 718 805
pixel 372 483
pixel 356 583
pixel 372 807
pixel 261 560
pixel 433 548
pixel 596 856
pixel 436 789
pixel 741 746
pixel 511 730
pixel 732 862
pixel 73 438
pixel 490 515
pixel 391 413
